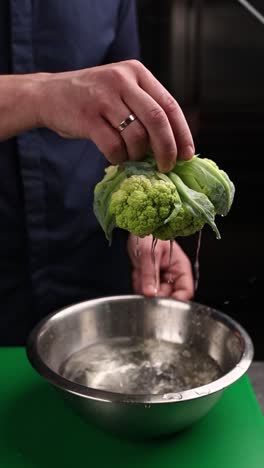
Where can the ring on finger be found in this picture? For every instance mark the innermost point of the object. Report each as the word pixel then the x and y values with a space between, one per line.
pixel 131 118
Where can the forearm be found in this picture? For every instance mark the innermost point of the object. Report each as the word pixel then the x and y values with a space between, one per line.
pixel 18 108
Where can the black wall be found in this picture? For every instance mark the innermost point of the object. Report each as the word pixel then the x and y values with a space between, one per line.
pixel 209 54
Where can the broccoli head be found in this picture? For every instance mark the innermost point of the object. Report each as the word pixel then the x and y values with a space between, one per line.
pixel 138 198
pixel 142 204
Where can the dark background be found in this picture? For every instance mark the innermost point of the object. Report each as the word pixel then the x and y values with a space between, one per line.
pixel 209 54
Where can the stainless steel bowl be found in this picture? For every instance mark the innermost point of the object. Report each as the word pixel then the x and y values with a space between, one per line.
pixel 74 328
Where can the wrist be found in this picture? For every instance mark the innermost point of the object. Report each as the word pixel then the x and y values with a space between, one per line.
pixel 37 96
pixel 19 103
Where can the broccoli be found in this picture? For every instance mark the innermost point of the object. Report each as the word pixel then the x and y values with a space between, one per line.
pixel 184 224
pixel 141 204
pixel 196 210
pixel 138 198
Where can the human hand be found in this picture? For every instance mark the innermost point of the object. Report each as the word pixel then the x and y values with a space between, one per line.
pixel 91 103
pixel 173 276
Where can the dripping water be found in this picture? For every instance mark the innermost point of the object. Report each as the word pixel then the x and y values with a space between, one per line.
pixel 137 252
pixel 153 260
pixel 171 279
pixel 197 263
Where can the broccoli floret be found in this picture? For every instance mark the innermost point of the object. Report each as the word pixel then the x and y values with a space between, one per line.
pixel 184 224
pixel 140 204
pixel 137 198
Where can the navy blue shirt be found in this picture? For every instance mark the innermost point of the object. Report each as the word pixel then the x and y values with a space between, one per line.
pixel 52 251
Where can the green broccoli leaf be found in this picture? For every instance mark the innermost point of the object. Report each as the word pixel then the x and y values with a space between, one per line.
pixel 102 197
pixel 199 203
pixel 203 175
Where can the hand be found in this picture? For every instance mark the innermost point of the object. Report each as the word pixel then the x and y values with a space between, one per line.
pixel 91 103
pixel 174 278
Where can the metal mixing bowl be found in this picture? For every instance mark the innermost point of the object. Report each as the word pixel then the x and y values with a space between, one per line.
pixel 72 329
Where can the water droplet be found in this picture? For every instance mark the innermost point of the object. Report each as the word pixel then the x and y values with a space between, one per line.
pixel 196 266
pixel 172 396
pixel 168 396
pixel 153 259
pixel 186 353
pixel 202 392
pixel 137 251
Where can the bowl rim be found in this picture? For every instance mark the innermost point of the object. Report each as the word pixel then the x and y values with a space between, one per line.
pixel 113 397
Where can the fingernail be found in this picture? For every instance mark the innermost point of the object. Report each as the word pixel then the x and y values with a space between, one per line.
pixel 166 168
pixel 150 290
pixel 166 165
pixel 188 152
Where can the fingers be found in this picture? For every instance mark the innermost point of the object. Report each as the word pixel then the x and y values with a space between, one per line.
pixel 108 141
pixel 173 111
pixel 181 285
pixel 117 90
pixel 134 135
pixel 156 122
pixel 146 275
pixel 172 275
pixel 165 290
pixel 150 271
pixel 178 271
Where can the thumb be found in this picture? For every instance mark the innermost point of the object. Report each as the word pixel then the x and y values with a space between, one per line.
pixel 150 268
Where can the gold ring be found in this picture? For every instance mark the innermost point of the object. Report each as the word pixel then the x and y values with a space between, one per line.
pixel 126 122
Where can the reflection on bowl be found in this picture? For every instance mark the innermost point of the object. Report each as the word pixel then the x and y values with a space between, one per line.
pixel 137 366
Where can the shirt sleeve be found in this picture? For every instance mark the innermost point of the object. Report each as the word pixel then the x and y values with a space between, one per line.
pixel 126 44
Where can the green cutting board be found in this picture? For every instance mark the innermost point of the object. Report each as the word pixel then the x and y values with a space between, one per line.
pixel 38 430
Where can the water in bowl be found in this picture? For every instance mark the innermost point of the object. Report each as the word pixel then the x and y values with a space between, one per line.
pixel 140 366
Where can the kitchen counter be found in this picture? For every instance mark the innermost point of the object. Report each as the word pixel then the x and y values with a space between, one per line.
pixel 256 376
